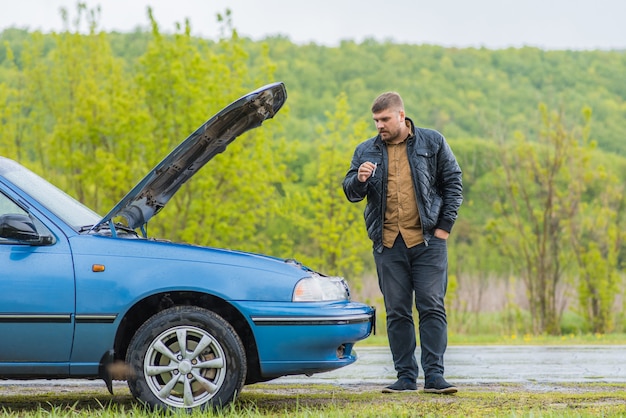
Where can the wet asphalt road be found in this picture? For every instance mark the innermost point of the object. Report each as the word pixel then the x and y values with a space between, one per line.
pixel 491 364
pixel 531 366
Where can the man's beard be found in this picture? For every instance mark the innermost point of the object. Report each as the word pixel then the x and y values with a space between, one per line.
pixel 390 137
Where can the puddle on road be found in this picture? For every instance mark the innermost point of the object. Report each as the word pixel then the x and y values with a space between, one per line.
pixel 491 364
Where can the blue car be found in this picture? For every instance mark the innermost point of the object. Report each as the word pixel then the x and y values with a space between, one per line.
pixel 86 296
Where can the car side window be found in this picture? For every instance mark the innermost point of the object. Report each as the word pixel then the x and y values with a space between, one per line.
pixel 8 208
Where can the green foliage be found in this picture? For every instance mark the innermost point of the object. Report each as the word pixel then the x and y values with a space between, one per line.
pixel 95 111
pixel 544 223
pixel 464 93
pixel 184 82
pixel 598 235
pixel 326 230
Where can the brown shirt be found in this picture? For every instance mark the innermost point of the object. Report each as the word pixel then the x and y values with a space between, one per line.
pixel 401 213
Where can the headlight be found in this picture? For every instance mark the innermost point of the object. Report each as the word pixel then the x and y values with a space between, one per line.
pixel 321 288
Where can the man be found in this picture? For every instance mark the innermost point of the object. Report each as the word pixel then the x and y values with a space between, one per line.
pixel 413 186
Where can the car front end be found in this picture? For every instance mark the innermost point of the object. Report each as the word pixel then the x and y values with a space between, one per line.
pixel 187 326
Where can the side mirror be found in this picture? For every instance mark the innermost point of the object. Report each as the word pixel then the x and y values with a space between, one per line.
pixel 20 228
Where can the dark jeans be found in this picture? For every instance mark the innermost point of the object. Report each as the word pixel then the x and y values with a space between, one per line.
pixel 421 271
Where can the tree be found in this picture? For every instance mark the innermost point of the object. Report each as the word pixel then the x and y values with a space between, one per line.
pixel 231 201
pixel 542 186
pixel 330 232
pixel 10 112
pixel 597 234
pixel 25 130
pixel 70 112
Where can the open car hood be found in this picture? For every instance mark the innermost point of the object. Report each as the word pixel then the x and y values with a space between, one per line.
pixel 149 196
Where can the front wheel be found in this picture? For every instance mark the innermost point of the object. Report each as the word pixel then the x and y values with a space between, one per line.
pixel 186 357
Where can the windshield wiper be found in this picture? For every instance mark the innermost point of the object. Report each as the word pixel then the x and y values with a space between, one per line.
pixel 84 228
pixel 125 228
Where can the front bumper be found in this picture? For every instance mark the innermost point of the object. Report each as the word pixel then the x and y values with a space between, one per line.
pixel 307 338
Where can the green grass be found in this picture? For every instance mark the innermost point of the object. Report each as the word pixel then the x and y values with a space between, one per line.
pixel 380 340
pixel 335 401
pixel 511 326
pixel 273 400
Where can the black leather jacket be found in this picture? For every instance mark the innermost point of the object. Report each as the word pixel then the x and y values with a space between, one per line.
pixel 437 179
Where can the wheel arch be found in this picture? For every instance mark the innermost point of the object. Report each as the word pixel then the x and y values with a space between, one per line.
pixel 153 304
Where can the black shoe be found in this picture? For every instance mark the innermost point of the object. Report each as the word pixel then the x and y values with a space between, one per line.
pixel 401 385
pixel 439 385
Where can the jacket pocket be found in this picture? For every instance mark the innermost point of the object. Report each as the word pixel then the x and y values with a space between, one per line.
pixel 426 164
pixel 375 157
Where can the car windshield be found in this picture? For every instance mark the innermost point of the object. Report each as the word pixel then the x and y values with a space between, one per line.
pixel 68 209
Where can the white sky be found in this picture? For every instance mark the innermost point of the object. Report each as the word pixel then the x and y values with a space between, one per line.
pixel 549 24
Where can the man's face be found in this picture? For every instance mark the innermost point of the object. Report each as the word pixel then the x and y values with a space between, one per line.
pixel 389 123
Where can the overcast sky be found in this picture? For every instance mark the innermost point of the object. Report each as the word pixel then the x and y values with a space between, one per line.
pixel 550 24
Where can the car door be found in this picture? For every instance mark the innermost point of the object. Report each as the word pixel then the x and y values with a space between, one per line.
pixel 36 297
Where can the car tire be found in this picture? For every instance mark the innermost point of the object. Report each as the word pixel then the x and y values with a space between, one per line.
pixel 209 371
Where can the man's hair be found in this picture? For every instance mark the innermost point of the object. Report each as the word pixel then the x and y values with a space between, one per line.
pixel 389 100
